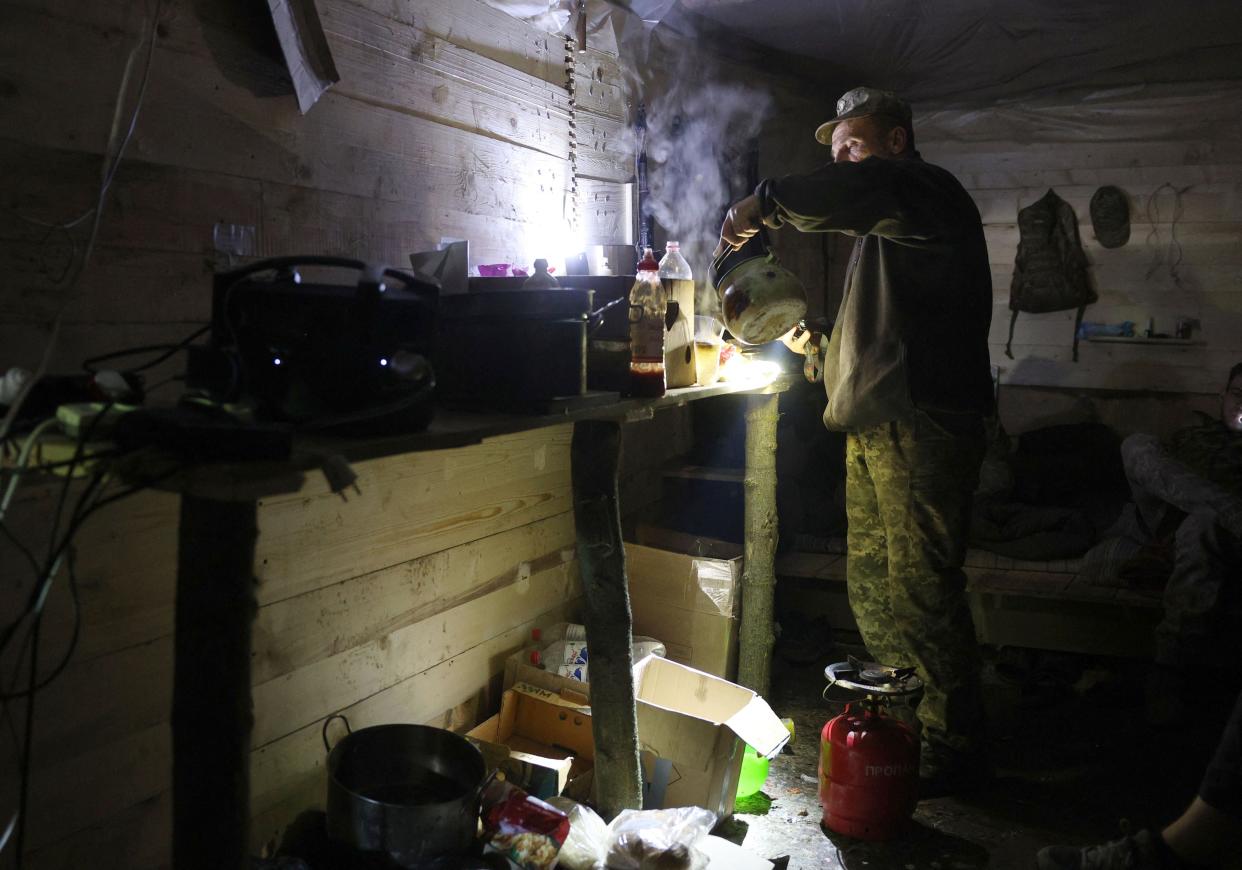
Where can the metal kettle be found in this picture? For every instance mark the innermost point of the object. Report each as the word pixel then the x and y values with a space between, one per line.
pixel 761 299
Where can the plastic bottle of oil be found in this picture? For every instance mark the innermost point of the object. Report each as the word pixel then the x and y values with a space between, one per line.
pixel 648 302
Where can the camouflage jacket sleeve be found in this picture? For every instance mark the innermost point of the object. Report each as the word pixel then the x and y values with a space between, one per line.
pixel 891 198
pixel 1212 451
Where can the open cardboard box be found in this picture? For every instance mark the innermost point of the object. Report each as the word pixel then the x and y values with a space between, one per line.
pixel 541 740
pixel 692 731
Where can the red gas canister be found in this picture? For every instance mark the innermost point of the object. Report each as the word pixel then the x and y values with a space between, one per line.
pixel 868 773
pixel 869 761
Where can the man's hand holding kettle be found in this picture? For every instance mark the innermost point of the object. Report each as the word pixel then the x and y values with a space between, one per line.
pixel 741 222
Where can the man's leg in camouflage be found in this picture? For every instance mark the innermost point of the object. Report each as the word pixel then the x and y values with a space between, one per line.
pixel 1205 555
pixel 1206 546
pixel 923 476
pixel 1157 480
pixel 867 561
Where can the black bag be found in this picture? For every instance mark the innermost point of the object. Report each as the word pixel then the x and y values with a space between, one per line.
pixel 1050 273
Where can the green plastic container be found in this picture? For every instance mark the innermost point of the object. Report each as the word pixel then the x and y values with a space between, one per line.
pixel 754 773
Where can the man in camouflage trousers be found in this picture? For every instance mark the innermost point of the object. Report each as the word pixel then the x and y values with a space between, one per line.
pixel 907 376
pixel 907 501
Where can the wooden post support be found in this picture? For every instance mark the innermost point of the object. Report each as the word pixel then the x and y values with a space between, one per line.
pixel 594 456
pixel 756 636
pixel 211 716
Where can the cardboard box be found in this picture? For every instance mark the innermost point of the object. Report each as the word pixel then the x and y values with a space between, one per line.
pixel 692 730
pixel 691 603
pixel 541 740
pixel 518 669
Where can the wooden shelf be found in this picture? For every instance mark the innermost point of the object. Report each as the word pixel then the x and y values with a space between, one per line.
pixel 1138 339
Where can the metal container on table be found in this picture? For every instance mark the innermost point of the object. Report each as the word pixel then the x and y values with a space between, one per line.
pixel 513 346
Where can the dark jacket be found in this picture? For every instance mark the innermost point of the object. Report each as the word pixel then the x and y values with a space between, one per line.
pixel 912 330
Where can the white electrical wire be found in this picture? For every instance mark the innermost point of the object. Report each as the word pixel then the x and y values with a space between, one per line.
pixel 23 460
pixel 8 832
pixel 107 173
pixel 17 823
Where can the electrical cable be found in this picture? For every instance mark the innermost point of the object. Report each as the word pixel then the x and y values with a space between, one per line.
pixel 108 171
pixel 83 439
pixel 38 598
pixel 1170 256
pixel 89 501
pixel 48 571
pixel 8 832
pixel 149 390
pixel 114 153
pixel 21 548
pixel 65 554
pixel 23 798
pixel 169 350
pixel 23 459
pixel 63 463
pixel 80 514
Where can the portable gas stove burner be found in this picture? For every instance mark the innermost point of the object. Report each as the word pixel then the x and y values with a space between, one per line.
pixel 869 759
pixel 872 678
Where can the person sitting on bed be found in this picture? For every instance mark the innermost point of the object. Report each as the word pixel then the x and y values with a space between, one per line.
pixel 1187 515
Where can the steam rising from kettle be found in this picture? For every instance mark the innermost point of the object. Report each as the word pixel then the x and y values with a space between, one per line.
pixel 760 298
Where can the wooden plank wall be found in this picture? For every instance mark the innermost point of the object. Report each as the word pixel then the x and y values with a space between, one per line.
pixel 1188 136
pixel 398 605
pixel 451 119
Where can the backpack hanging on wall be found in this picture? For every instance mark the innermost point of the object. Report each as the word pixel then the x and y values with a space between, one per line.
pixel 1050 273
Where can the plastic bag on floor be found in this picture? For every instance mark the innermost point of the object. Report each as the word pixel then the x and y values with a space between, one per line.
pixel 586 847
pixel 659 839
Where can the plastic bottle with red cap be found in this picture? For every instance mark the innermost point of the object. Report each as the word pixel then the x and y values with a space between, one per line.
pixel 648 303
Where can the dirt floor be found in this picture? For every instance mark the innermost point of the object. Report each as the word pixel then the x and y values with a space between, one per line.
pixel 1070 746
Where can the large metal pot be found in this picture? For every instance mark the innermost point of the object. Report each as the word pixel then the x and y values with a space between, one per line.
pixel 410 792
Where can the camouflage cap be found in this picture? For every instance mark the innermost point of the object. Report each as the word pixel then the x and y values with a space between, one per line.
pixel 1110 216
pixel 861 102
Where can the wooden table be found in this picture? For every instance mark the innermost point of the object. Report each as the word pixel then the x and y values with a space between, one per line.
pixel 212 718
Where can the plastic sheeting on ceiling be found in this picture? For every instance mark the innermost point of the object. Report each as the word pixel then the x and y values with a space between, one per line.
pixel 944 50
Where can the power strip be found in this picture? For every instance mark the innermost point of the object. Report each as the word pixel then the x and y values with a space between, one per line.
pixel 76 418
